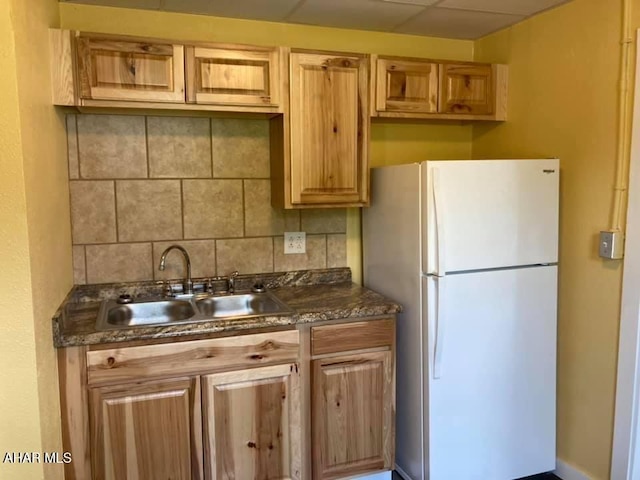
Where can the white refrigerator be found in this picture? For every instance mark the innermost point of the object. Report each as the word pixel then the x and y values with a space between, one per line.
pixel 470 249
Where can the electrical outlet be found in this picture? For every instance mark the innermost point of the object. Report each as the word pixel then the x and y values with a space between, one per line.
pixel 611 245
pixel 295 242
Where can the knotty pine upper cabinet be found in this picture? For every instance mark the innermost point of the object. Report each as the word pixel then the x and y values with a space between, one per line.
pixel 239 76
pixel 112 68
pixel 112 71
pixel 404 85
pixel 432 89
pixel 252 424
pixel 147 430
pixel 326 132
pixel 466 89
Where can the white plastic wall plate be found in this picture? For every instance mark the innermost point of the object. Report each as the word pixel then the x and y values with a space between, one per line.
pixel 295 242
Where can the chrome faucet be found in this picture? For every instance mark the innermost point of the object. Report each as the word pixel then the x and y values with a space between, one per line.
pixel 188 283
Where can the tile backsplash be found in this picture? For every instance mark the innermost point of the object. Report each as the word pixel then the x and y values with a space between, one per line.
pixel 141 183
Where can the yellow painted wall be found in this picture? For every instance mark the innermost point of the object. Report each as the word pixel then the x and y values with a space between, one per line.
pixel 35 240
pixel 563 68
pixel 19 415
pixel 391 143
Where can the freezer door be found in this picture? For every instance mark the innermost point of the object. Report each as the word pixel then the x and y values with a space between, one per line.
pixel 492 374
pixel 485 214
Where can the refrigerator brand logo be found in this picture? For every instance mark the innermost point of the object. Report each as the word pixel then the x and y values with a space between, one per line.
pixel 546 170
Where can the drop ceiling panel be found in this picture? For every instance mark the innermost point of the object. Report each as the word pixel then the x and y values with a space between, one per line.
pixel 270 10
pixel 443 22
pixel 359 14
pixel 513 7
pixel 466 19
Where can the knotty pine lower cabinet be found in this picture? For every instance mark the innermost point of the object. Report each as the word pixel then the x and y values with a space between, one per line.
pixel 353 398
pixel 242 424
pixel 252 424
pixel 147 430
pixel 352 419
pixel 309 404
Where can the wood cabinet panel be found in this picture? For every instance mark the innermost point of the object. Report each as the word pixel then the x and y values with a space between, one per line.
pixel 352 419
pixel 406 86
pixel 352 336
pixel 252 424
pixel 114 69
pixel 233 76
pixel 329 129
pixel 119 365
pixel 211 409
pixel 466 89
pixel 74 398
pixel 148 430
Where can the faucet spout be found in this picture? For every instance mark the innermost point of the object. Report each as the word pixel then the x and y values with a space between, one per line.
pixel 188 283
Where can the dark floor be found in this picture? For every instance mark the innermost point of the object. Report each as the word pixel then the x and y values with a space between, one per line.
pixel 544 476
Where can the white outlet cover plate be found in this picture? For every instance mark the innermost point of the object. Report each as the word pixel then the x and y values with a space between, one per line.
pixel 295 242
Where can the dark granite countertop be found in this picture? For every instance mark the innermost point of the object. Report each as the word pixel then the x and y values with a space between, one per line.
pixel 313 295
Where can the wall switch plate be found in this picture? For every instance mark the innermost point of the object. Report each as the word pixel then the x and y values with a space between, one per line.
pixel 295 242
pixel 611 245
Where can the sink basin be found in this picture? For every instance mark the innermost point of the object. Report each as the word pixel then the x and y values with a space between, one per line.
pixel 244 305
pixel 145 313
pixel 187 309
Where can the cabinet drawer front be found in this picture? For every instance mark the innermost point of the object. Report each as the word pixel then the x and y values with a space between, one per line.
pixel 352 336
pixel 170 359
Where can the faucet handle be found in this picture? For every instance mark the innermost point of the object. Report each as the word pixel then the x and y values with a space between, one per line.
pixel 232 281
pixel 167 291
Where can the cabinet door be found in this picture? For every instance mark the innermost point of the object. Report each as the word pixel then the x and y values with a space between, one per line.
pixel 147 430
pixel 406 86
pixel 112 69
pixel 352 419
pixel 329 129
pixel 466 89
pixel 252 424
pixel 232 77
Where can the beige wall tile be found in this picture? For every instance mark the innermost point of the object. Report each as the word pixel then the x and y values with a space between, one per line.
pixel 315 256
pixel 240 148
pixel 336 250
pixel 179 147
pixel 247 255
pixel 72 147
pixel 79 271
pixel 112 146
pixel 201 252
pixel 330 220
pixel 124 262
pixel 93 212
pixel 261 219
pixel 212 208
pixel 148 210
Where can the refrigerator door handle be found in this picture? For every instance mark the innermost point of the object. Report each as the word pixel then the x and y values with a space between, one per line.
pixel 438 348
pixel 439 221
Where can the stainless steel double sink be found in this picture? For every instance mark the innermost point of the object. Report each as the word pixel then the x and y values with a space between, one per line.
pixel 188 308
